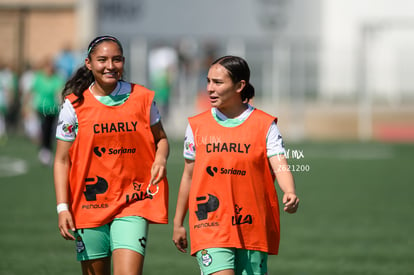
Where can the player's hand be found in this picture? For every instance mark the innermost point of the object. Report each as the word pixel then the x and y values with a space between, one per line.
pixel 180 238
pixel 158 171
pixel 66 225
pixel 291 202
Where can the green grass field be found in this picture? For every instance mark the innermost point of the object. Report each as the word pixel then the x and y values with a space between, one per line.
pixel 355 217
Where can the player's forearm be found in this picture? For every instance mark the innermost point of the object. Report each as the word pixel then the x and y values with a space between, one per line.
pixel 286 182
pixel 184 193
pixel 182 202
pixel 284 177
pixel 161 142
pixel 61 170
pixel 163 150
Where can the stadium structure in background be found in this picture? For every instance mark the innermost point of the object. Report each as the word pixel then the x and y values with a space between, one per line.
pixel 329 69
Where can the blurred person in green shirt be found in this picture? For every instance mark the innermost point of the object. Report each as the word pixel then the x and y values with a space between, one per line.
pixel 46 88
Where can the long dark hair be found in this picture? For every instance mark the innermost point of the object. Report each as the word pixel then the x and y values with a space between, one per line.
pixel 83 77
pixel 238 70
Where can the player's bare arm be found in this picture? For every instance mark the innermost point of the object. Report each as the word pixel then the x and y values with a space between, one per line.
pixel 180 233
pixel 286 182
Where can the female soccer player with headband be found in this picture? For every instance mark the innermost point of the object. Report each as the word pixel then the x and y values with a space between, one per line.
pixel 111 151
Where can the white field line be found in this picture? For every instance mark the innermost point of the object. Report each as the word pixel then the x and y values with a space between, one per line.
pixel 10 166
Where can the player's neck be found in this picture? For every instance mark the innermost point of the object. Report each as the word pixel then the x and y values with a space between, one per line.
pixel 233 111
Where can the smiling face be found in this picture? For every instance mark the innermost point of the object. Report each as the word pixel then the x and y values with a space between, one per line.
pixel 106 62
pixel 224 94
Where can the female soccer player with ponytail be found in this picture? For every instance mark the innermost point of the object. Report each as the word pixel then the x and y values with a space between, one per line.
pixel 233 153
pixel 110 161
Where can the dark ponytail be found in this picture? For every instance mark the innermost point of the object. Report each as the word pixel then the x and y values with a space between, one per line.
pixel 238 70
pixel 247 93
pixel 78 83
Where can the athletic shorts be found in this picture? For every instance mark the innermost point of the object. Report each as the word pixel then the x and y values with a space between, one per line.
pixel 242 261
pixel 99 242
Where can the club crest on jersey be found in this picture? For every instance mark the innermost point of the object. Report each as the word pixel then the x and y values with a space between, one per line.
pixel 80 246
pixel 206 258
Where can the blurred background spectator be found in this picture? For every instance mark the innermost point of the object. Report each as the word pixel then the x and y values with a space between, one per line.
pixel 44 97
pixel 332 69
pixel 163 72
pixel 30 119
pixel 7 100
pixel 66 62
